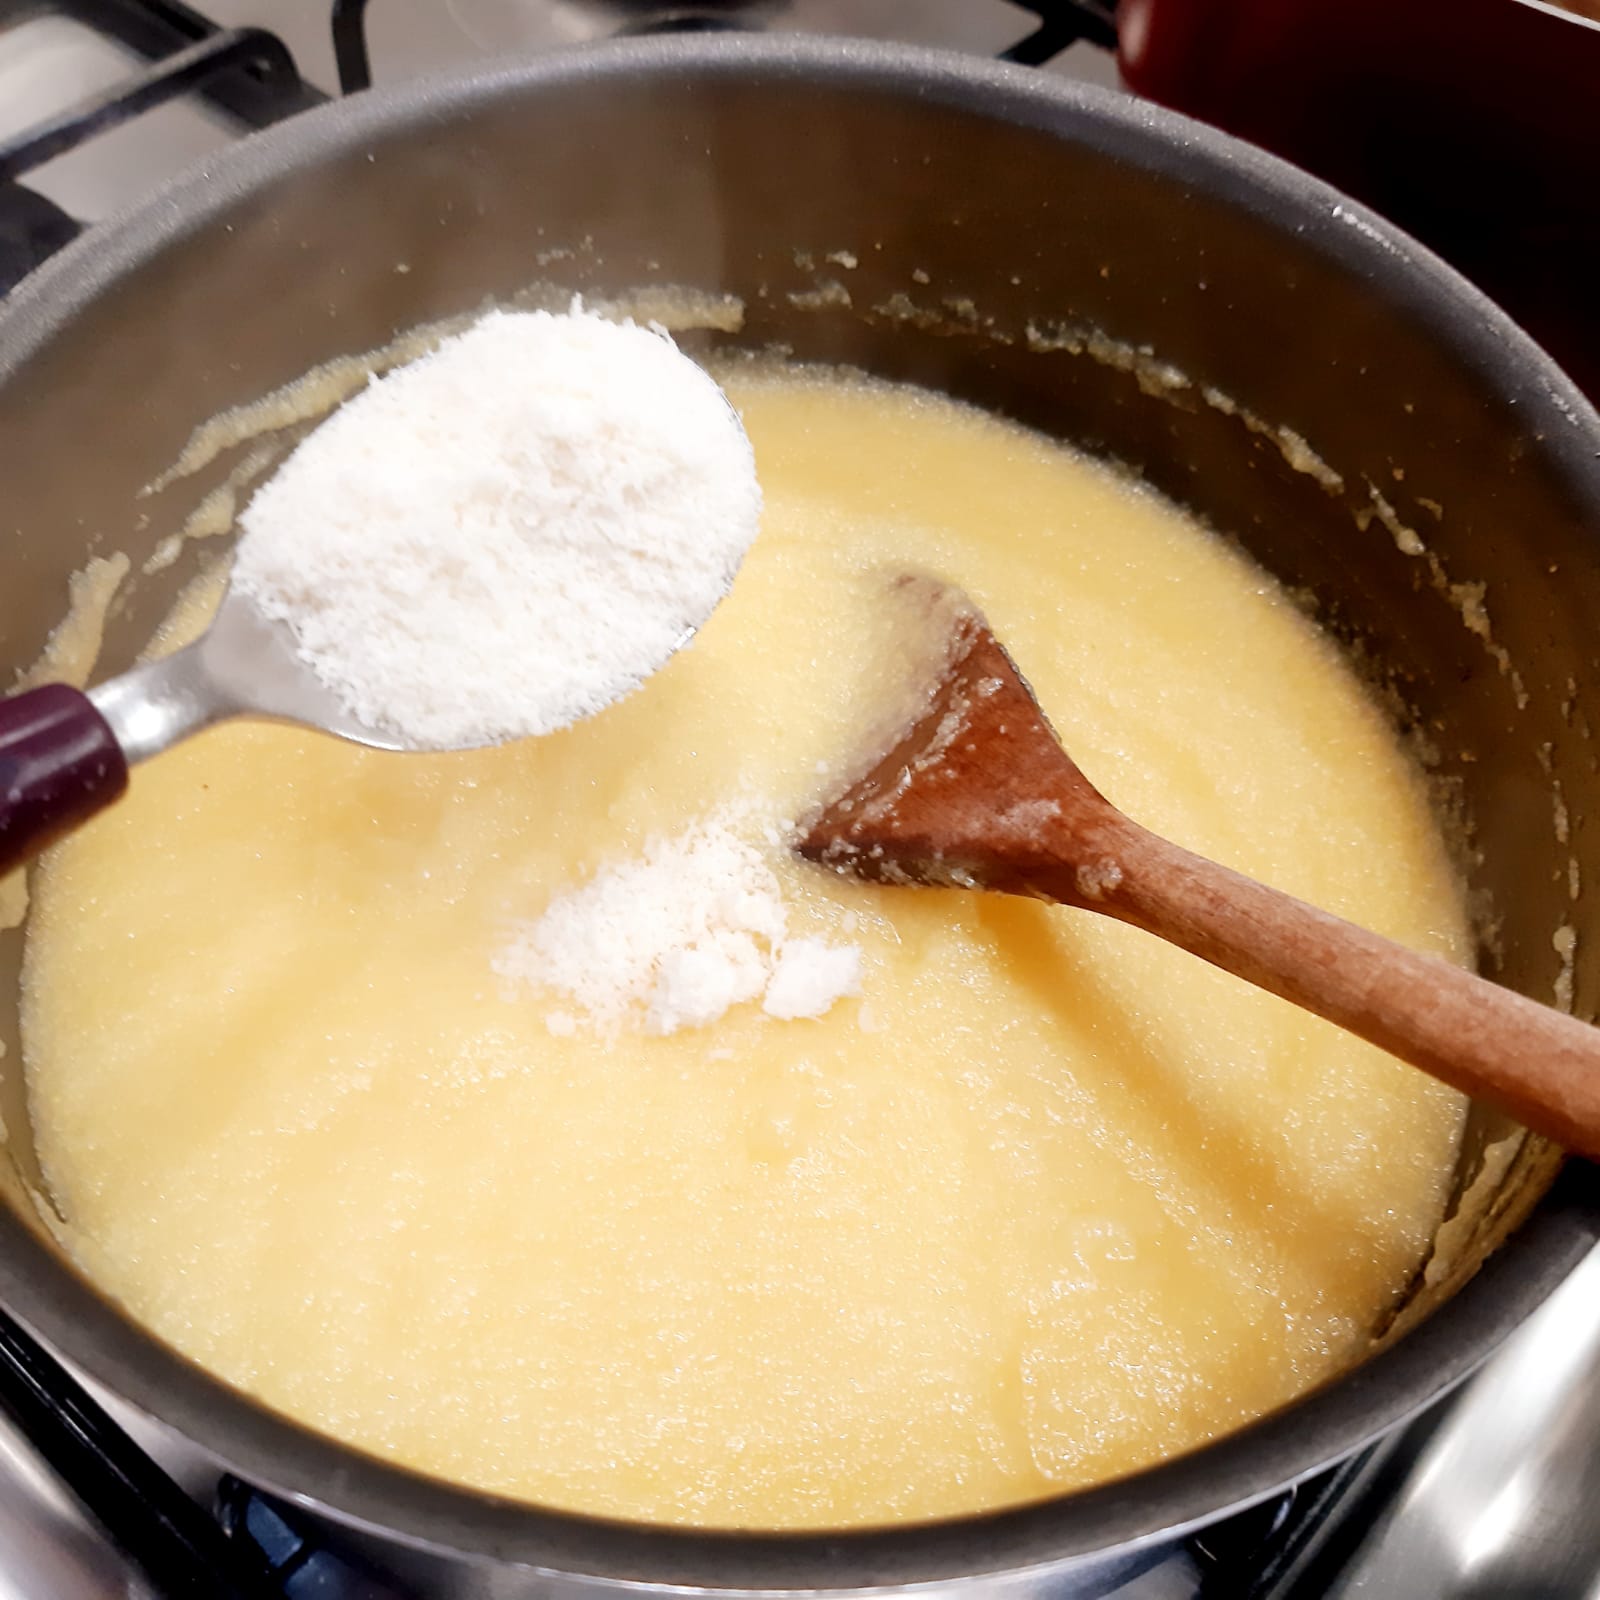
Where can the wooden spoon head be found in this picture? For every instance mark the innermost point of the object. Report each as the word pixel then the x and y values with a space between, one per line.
pixel 974 789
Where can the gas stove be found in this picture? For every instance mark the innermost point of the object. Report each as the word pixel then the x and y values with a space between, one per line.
pixel 1488 1494
pixel 102 99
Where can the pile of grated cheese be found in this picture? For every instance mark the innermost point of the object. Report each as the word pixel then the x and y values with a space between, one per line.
pixel 677 936
pixel 507 534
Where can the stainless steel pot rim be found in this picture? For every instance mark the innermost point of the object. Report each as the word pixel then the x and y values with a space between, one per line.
pixel 271 1451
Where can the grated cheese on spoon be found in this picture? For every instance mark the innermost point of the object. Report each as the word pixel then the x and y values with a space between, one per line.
pixel 507 534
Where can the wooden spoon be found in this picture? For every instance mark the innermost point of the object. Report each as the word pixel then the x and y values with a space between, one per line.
pixel 977 793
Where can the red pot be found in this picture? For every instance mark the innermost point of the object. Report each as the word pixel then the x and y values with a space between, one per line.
pixel 1475 124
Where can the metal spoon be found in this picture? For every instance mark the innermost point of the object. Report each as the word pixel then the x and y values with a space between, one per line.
pixel 243 665
pixel 64 754
pixel 974 791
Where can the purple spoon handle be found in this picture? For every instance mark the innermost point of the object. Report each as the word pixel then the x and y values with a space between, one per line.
pixel 60 763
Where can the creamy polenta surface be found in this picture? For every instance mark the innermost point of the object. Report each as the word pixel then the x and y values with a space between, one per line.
pixel 1044 1202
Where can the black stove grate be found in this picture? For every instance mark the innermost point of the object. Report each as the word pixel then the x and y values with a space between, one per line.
pixel 1062 25
pixel 251 76
pixel 350 45
pixel 246 73
pixel 214 65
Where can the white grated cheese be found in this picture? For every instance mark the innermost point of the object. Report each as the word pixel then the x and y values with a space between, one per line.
pixel 676 937
pixel 508 533
pixel 809 975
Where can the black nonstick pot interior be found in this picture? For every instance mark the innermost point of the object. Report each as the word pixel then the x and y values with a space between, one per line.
pixel 1305 378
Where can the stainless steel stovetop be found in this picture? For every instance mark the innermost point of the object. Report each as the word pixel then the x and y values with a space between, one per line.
pixel 1491 1495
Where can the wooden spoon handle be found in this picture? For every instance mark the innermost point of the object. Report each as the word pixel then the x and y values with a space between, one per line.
pixel 1538 1064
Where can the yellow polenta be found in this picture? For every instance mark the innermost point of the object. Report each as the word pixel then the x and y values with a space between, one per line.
pixel 1047 1202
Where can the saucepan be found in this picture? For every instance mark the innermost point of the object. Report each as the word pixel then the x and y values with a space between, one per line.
pixel 1308 379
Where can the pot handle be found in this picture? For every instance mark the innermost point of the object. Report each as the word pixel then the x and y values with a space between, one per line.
pixel 60 763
